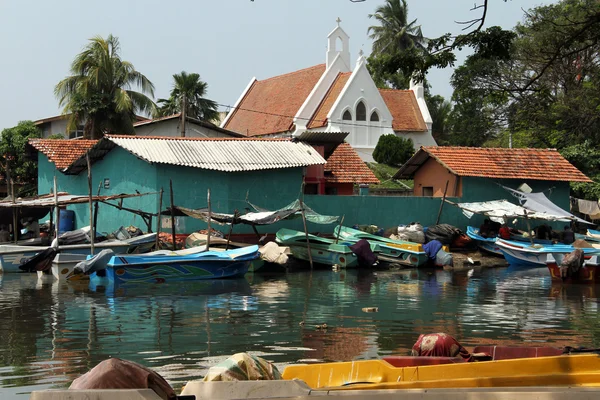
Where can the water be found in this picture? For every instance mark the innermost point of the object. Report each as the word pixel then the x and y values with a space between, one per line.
pixel 50 333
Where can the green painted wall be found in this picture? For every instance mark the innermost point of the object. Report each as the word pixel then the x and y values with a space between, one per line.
pixel 271 189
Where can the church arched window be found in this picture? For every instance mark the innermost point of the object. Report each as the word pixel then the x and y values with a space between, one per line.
pixel 361 111
pixel 347 116
pixel 374 116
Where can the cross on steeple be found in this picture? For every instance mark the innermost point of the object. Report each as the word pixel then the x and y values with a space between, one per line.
pixel 338 20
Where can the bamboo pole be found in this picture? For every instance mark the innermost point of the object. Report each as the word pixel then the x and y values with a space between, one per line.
pixel 57 212
pixel 209 217
pixel 337 237
pixel 437 221
pixel 92 228
pixel 310 260
pixel 158 225
pixel 172 214
pixel 12 193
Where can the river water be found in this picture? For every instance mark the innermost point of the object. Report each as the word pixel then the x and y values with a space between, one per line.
pixel 50 332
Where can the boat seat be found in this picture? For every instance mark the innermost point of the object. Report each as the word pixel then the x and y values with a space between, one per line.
pixel 506 353
pixel 416 361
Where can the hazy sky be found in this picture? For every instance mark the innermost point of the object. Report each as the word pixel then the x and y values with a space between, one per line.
pixel 227 42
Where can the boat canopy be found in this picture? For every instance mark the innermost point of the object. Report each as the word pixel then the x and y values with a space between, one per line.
pixel 500 210
pixel 261 216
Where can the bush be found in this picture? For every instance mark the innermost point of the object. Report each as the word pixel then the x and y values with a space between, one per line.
pixel 393 150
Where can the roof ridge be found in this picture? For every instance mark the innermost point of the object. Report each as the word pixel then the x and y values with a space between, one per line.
pixel 322 102
pixel 492 148
pixel 394 90
pixel 199 139
pixel 291 73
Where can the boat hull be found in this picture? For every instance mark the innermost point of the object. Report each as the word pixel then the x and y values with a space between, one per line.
pixel 322 255
pixel 158 268
pixel 563 370
pixel 589 272
pixel 524 255
pixel 11 257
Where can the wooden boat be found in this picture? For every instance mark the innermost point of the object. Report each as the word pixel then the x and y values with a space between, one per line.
pixel 486 244
pixel 162 266
pixel 536 255
pixel 323 250
pixel 400 251
pixel 559 370
pixel 588 273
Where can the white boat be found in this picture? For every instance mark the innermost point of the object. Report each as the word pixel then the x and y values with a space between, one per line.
pixel 534 255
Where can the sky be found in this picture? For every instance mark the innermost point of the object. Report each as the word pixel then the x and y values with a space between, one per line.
pixel 226 41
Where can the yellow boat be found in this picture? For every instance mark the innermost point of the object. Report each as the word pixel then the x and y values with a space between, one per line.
pixel 581 370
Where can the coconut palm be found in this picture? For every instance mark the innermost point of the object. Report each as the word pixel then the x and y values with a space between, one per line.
pixel 189 91
pixel 394 33
pixel 99 90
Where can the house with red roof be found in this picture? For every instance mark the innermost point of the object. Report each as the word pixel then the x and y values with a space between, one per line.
pixel 478 174
pixel 332 97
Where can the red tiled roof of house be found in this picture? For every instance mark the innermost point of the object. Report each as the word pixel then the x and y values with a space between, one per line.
pixel 502 163
pixel 346 166
pixel 270 105
pixel 406 115
pixel 319 119
pixel 62 152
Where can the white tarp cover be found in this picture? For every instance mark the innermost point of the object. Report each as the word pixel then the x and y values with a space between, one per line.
pixel 498 210
pixel 538 202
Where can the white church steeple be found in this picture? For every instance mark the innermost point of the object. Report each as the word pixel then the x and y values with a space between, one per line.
pixel 335 38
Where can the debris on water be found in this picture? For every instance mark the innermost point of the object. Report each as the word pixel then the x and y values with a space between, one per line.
pixel 301 323
pixel 322 326
pixel 335 267
pixel 370 309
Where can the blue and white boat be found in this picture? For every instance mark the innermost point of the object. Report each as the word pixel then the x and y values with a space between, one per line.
pixel 534 255
pixel 161 266
pixel 486 244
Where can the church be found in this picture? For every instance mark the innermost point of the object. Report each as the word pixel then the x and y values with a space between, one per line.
pixel 332 97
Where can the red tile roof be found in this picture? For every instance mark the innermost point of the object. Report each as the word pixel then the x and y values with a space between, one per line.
pixel 406 115
pixel 502 163
pixel 62 152
pixel 346 166
pixel 319 119
pixel 270 105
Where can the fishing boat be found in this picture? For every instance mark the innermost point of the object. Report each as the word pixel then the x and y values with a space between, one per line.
pixel 534 255
pixel 484 243
pixel 322 250
pixel 557 370
pixel 400 251
pixel 186 265
pixel 588 273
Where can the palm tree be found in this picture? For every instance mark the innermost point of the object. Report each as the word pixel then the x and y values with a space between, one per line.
pixel 394 33
pixel 188 93
pixel 98 92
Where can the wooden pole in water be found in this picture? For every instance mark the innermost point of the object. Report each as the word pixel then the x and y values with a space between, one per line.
pixel 12 193
pixel 437 221
pixel 310 260
pixel 172 215
pixel 96 207
pixel 57 212
pixel 337 237
pixel 92 227
pixel 208 222
pixel 158 224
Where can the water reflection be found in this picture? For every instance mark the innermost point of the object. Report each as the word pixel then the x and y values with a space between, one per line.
pixel 52 332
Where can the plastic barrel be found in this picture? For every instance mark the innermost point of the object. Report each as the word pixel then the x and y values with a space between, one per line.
pixel 67 221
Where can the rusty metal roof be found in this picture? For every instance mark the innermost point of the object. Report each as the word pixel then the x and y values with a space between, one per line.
pixel 219 154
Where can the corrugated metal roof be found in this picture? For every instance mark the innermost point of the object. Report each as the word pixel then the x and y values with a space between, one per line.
pixel 220 154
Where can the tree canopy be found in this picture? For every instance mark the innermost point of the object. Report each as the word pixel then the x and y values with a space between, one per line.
pixel 14 162
pixel 393 150
pixel 98 92
pixel 190 90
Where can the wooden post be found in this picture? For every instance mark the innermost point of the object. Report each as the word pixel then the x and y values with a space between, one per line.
pixel 337 237
pixel 57 212
pixel 235 214
pixel 96 207
pixel 92 230
pixel 437 221
pixel 310 260
pixel 172 215
pixel 209 216
pixel 158 225
pixel 12 193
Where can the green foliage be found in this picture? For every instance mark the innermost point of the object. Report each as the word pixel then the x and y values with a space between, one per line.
pixel 585 157
pixel 98 91
pixel 394 34
pixel 385 174
pixel 393 150
pixel 14 162
pixel 440 110
pixel 188 89
pixel 56 136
